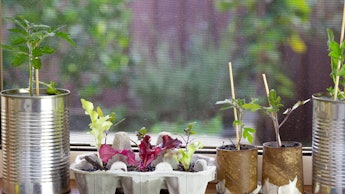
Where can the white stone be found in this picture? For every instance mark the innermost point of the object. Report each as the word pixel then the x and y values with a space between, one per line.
pixel 118 166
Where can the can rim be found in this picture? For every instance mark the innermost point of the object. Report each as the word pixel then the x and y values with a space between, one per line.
pixel 326 97
pixel 24 93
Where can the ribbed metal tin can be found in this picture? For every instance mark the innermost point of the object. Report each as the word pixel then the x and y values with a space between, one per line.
pixel 328 143
pixel 35 142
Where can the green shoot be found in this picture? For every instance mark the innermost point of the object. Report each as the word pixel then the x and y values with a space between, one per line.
pixel 51 88
pixel 100 124
pixel 274 107
pixel 241 106
pixel 336 53
pixel 27 43
pixel 187 153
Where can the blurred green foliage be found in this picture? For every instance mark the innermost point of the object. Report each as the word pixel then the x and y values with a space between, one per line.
pixel 171 90
pixel 260 30
pixel 99 27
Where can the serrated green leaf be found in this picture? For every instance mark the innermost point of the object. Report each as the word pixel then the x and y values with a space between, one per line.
pixel 19 60
pixel 252 107
pixel 248 134
pixel 36 63
pixel 236 122
pixel 47 50
pixel 65 36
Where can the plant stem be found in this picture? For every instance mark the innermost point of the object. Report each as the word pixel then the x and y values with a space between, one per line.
pixel 339 61
pixel 273 115
pixel 276 128
pixel 30 72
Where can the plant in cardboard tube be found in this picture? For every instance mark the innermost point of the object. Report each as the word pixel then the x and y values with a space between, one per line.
pixel 272 111
pixel 240 105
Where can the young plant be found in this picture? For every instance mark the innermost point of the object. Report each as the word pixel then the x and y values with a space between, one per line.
pixel 147 152
pixel 241 106
pixel 336 53
pixel 27 43
pixel 274 107
pixel 190 147
pixel 100 123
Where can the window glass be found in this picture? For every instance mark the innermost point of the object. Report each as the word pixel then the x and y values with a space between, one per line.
pixel 161 64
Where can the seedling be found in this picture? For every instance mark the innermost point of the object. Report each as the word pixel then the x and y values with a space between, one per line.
pixel 272 110
pixel 336 53
pixel 100 123
pixel 190 147
pixel 27 43
pixel 241 106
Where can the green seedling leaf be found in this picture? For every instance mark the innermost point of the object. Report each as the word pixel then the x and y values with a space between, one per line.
pixel 248 134
pixel 51 88
pixel 141 133
pixel 27 43
pixel 36 63
pixel 240 105
pixel 19 60
pixel 65 36
pixel 251 106
pixel 99 125
pixel 236 122
pixel 99 111
pixel 186 155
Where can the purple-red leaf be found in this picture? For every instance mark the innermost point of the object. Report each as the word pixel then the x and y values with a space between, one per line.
pixel 169 142
pixel 107 152
pixel 147 153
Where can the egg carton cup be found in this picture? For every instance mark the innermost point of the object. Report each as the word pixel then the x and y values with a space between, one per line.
pixel 152 182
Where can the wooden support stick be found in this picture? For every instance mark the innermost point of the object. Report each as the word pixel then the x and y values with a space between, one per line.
pixel 336 85
pixel 235 110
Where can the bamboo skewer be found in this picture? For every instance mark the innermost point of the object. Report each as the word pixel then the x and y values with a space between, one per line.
pixel 235 110
pixel 339 61
pixel 273 115
pixel 37 83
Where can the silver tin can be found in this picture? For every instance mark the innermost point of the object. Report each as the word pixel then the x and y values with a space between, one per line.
pixel 328 143
pixel 35 142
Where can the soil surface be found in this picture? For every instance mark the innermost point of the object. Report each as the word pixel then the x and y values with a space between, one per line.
pixel 285 144
pixel 233 147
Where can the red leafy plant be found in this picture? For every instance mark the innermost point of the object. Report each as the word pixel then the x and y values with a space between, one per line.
pixel 168 146
pixel 147 152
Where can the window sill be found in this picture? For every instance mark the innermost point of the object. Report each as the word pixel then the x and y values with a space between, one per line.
pixel 307 164
pixel 211 188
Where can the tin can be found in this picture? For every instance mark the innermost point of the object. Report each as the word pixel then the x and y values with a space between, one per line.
pixel 35 142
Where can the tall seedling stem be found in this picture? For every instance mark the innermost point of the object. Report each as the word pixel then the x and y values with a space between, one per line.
pixel 274 107
pixel 339 60
pixel 273 114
